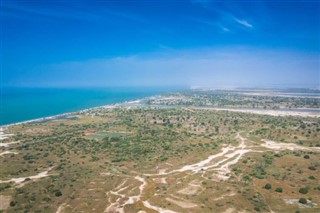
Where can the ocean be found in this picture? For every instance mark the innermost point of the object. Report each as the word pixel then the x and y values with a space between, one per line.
pixel 22 104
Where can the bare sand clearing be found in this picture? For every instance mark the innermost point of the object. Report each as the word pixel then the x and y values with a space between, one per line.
pixel 156 208
pixel 269 112
pixel 286 146
pixel 192 188
pixel 185 204
pixel 4 202
pixel 296 202
pixel 3 135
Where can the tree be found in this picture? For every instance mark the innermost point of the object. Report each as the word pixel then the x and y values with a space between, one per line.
pixel 279 189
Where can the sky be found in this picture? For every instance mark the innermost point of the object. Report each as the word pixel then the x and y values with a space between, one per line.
pixel 203 43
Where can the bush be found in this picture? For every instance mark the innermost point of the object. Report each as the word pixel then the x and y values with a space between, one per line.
pixel 268 186
pixel 312 168
pixel 13 203
pixel 4 186
pixel 58 193
pixel 303 201
pixel 279 189
pixel 306 157
pixel 304 190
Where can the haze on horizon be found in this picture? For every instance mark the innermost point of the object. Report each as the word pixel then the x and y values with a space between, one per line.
pixel 160 43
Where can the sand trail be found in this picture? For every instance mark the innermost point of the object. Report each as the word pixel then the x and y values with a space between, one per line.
pixel 8 152
pixel 22 179
pixel 217 164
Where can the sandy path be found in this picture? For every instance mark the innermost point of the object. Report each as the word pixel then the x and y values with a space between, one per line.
pixel 22 179
pixel 8 152
pixel 118 206
pixel 61 208
pixel 8 144
pixel 219 163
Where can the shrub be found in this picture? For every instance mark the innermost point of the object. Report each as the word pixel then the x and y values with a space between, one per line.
pixel 304 190
pixel 279 189
pixel 303 201
pixel 312 168
pixel 4 186
pixel 306 157
pixel 13 203
pixel 58 193
pixel 268 186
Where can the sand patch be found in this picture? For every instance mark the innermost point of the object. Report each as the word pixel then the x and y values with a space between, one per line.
pixel 4 202
pixel 191 189
pixel 309 203
pixel 8 144
pixel 160 180
pixel 156 208
pixel 286 146
pixel 230 210
pixel 182 203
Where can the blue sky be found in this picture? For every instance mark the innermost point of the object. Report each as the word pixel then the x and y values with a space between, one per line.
pixel 160 43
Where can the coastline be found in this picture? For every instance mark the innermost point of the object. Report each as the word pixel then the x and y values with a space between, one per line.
pixel 54 117
pixel 25 105
pixel 139 102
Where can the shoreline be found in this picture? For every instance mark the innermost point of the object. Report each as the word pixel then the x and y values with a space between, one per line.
pixel 138 102
pixel 53 117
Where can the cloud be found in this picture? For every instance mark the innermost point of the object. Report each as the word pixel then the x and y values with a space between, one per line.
pixel 225 20
pixel 225 29
pixel 67 11
pixel 244 23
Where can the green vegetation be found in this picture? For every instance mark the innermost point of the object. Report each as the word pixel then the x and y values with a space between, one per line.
pixel 268 186
pixel 104 150
pixel 303 201
pixel 304 190
pixel 279 189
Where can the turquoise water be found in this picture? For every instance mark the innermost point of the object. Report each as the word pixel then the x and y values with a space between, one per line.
pixel 21 104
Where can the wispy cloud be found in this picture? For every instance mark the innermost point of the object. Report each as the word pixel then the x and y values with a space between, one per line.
pixel 22 11
pixel 225 19
pixel 243 23
pixel 225 29
pixel 212 23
